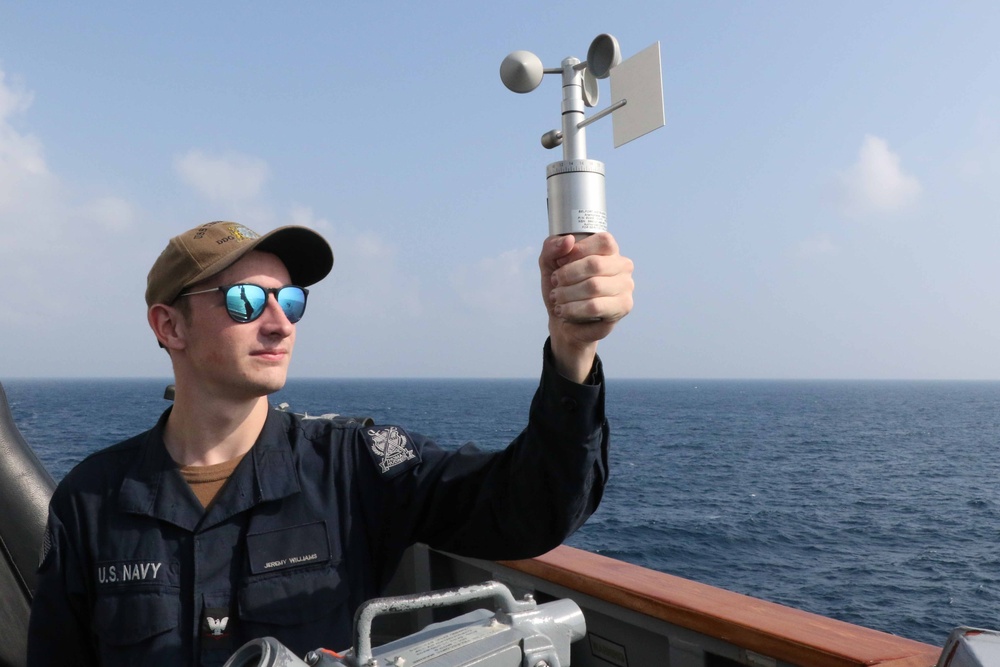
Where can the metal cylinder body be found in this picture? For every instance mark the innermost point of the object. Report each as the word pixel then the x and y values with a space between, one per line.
pixel 576 200
pixel 264 652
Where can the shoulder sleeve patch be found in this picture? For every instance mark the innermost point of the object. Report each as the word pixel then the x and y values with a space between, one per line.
pixel 391 448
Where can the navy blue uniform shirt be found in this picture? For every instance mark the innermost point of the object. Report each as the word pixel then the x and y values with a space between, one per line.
pixel 310 525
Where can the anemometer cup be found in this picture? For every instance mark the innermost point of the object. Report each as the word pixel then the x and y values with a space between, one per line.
pixel 603 55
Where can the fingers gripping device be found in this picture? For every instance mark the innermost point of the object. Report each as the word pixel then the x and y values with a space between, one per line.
pixel 575 184
pixel 519 633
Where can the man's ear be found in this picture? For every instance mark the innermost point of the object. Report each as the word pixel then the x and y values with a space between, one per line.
pixel 168 325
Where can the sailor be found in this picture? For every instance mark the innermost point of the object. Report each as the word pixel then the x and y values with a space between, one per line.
pixel 231 520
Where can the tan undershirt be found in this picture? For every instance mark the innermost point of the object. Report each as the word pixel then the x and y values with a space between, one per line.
pixel 206 481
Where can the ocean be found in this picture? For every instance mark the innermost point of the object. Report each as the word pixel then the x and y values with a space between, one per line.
pixel 873 502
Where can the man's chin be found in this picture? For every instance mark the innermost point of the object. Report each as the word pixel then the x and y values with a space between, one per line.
pixel 276 385
pixel 265 385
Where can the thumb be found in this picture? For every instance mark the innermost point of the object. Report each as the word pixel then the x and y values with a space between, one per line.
pixel 556 248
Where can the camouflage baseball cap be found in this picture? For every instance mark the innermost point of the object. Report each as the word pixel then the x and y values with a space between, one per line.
pixel 206 250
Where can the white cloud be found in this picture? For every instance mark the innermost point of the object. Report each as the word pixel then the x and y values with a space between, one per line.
pixel 876 183
pixel 223 179
pixel 820 245
pixel 22 162
pixel 375 280
pixel 30 209
pixel 499 286
pixel 304 216
pixel 48 241
pixel 13 98
pixel 111 213
pixel 367 274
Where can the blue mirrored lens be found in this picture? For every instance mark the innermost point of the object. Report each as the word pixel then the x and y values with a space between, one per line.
pixel 245 303
pixel 293 301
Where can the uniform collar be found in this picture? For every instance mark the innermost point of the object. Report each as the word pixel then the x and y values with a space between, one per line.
pixel 154 487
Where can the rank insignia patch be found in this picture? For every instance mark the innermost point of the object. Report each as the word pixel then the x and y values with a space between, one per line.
pixel 216 631
pixel 390 447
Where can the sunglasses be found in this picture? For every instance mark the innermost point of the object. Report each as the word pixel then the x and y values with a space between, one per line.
pixel 245 302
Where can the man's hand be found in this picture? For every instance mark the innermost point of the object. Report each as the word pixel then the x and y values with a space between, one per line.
pixel 587 287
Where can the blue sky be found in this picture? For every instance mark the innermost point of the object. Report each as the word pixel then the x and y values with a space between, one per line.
pixel 823 201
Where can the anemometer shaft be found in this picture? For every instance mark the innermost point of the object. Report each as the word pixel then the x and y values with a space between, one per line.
pixel 574 138
pixel 576 199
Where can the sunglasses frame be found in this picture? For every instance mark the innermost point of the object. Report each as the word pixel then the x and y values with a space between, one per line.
pixel 267 291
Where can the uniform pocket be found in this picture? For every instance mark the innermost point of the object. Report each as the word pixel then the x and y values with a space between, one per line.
pixel 139 628
pixel 302 609
pixel 292 597
pixel 133 617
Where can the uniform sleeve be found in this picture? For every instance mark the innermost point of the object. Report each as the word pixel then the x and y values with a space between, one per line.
pixel 517 503
pixel 58 629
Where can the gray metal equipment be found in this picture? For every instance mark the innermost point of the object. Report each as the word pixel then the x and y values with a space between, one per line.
pixel 575 184
pixel 971 647
pixel 520 633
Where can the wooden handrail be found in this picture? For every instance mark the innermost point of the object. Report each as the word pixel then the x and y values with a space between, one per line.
pixel 790 635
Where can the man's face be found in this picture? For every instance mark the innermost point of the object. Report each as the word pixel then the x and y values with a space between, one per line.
pixel 241 361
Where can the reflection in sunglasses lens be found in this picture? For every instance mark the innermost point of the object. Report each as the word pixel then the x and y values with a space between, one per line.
pixel 245 302
pixel 293 301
